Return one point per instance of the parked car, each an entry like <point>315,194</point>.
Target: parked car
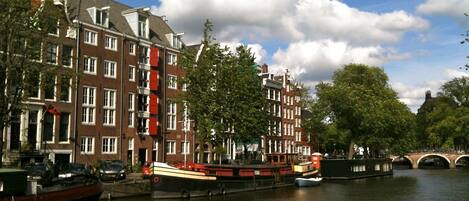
<point>73,169</point>
<point>40,172</point>
<point>112,170</point>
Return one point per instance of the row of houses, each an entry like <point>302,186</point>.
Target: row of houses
<point>121,105</point>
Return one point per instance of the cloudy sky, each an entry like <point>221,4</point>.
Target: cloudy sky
<point>415,41</point>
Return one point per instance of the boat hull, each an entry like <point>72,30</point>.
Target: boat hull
<point>185,184</point>
<point>89,192</point>
<point>300,182</point>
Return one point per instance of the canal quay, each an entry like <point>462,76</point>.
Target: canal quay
<point>405,184</point>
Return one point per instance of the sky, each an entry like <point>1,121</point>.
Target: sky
<point>416,42</point>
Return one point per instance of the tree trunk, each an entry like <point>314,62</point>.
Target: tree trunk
<point>351,151</point>
<point>1,146</point>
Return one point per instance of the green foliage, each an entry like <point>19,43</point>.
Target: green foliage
<point>362,106</point>
<point>24,27</point>
<point>224,93</point>
<point>444,120</point>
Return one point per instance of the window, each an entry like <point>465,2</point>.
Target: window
<point>91,37</point>
<point>54,30</point>
<point>155,150</point>
<point>48,127</point>
<point>171,116</point>
<point>64,127</point>
<point>67,56</point>
<point>143,105</point>
<point>185,148</point>
<point>132,48</point>
<point>52,53</point>
<point>87,145</point>
<point>49,87</point>
<point>131,110</point>
<point>32,127</point>
<point>109,107</point>
<point>32,84</point>
<point>142,126</point>
<point>102,17</point>
<point>110,43</point>
<point>172,59</point>
<point>142,26</point>
<point>144,78</point>
<point>172,82</point>
<point>144,55</point>
<point>89,65</point>
<point>177,41</point>
<point>109,145</point>
<point>65,89</point>
<point>184,86</point>
<point>88,107</point>
<point>132,73</point>
<point>170,147</point>
<point>36,50</point>
<point>110,69</point>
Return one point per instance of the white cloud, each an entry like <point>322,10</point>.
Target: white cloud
<point>452,8</point>
<point>288,20</point>
<point>414,95</point>
<point>313,61</point>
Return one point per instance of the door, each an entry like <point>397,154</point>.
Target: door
<point>142,156</point>
<point>61,160</point>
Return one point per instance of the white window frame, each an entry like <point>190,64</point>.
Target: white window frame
<point>105,22</point>
<point>132,48</point>
<point>110,69</point>
<point>90,37</point>
<point>172,147</point>
<point>110,42</point>
<point>172,59</point>
<point>131,117</point>
<point>55,91</point>
<point>171,116</point>
<point>89,107</point>
<point>71,57</point>
<point>89,62</point>
<point>109,145</point>
<point>89,144</point>
<point>172,81</point>
<point>56,53</point>
<point>132,72</point>
<point>145,51</point>
<point>69,92</point>
<point>109,107</point>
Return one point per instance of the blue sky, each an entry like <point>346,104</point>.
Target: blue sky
<point>415,41</point>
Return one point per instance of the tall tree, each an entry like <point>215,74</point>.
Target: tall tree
<point>25,25</point>
<point>360,101</point>
<point>224,93</point>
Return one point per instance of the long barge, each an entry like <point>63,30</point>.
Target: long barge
<point>208,180</point>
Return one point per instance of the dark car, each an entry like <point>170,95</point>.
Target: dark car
<point>72,170</point>
<point>40,172</point>
<point>112,170</point>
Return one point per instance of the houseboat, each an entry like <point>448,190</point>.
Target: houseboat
<point>207,179</point>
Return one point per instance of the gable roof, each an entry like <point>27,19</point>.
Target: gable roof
<point>117,22</point>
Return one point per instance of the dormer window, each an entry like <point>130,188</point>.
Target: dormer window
<point>177,42</point>
<point>142,26</point>
<point>102,17</point>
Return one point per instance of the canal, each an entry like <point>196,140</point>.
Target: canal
<point>412,185</point>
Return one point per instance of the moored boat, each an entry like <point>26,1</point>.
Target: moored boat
<point>70,189</point>
<point>308,182</point>
<point>208,180</point>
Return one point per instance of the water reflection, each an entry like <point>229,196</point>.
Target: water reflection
<point>416,184</point>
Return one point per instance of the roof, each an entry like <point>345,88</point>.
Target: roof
<point>117,22</point>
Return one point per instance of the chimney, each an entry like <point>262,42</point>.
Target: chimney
<point>264,68</point>
<point>428,95</point>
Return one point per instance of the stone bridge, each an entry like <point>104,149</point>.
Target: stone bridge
<point>416,157</point>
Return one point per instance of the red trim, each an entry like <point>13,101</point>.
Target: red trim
<point>153,126</point>
<point>153,104</point>
<point>154,80</point>
<point>154,53</point>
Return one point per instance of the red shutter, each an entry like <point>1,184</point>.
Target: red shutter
<point>154,80</point>
<point>153,126</point>
<point>153,104</point>
<point>154,56</point>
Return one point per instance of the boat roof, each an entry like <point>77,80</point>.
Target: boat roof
<point>259,166</point>
<point>9,170</point>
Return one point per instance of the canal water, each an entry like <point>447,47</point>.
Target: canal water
<point>412,185</point>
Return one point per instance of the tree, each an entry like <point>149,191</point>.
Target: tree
<point>360,102</point>
<point>224,93</point>
<point>464,41</point>
<point>24,27</point>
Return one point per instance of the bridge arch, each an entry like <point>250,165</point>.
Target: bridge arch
<point>434,154</point>
<point>459,157</point>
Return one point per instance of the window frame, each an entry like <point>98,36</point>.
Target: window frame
<point>86,105</point>
<point>92,37</point>
<point>109,145</point>
<point>87,65</point>
<point>110,107</point>
<point>172,82</point>
<point>110,43</point>
<point>110,69</point>
<point>87,145</point>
